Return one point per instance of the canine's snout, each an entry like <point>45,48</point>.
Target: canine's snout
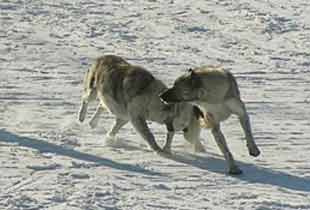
<point>163,96</point>
<point>168,96</point>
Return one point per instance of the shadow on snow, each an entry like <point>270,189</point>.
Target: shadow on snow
<point>252,173</point>
<point>43,146</point>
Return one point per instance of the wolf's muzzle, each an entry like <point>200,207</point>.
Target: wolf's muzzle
<point>169,96</point>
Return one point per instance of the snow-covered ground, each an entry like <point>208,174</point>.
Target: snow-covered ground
<point>50,161</point>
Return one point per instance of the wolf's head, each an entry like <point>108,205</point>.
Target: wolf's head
<point>185,88</point>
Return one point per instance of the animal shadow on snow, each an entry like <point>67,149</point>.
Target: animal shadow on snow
<point>122,143</point>
<point>251,173</point>
<point>43,147</point>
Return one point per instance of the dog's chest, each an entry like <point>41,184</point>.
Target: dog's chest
<point>182,117</point>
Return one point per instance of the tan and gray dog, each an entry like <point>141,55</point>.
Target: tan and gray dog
<point>131,93</point>
<point>215,92</point>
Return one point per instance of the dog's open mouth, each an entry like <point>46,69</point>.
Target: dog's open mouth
<point>169,96</point>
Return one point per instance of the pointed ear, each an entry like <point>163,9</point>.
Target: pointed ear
<point>191,72</point>
<point>195,79</point>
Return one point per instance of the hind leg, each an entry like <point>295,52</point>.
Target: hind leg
<point>192,135</point>
<point>237,107</point>
<point>221,142</point>
<point>95,118</point>
<point>110,136</point>
<point>118,124</point>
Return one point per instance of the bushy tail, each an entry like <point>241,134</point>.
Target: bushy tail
<point>94,74</point>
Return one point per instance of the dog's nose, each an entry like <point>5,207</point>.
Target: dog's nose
<point>169,96</point>
<point>164,96</point>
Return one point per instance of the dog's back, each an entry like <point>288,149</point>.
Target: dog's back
<point>102,66</point>
<point>220,81</point>
<point>118,83</point>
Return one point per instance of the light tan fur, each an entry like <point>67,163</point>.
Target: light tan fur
<point>216,93</point>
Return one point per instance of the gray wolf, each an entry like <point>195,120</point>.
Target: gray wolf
<point>131,93</point>
<point>216,93</point>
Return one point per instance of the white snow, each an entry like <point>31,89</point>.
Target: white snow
<point>50,161</point>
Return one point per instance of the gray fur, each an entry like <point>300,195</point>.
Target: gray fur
<point>131,93</point>
<point>216,93</point>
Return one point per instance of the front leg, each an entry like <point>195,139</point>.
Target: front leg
<point>252,147</point>
<point>139,123</point>
<point>192,135</point>
<point>110,136</point>
<point>95,118</point>
<point>169,137</point>
<point>221,142</point>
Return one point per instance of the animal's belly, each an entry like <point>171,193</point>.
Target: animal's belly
<point>219,112</point>
<point>117,109</point>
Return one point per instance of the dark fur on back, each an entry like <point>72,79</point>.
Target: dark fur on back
<point>124,79</point>
<point>137,80</point>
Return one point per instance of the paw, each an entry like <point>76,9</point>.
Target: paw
<point>154,146</point>
<point>110,140</point>
<point>81,117</point>
<point>158,151</point>
<point>199,148</point>
<point>82,112</point>
<point>92,124</point>
<point>167,150</point>
<point>164,153</point>
<point>254,152</point>
<point>235,170</point>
